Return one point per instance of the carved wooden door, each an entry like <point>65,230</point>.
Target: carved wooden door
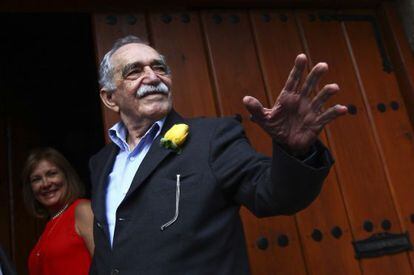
<point>219,56</point>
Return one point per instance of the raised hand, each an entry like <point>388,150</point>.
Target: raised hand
<point>295,120</point>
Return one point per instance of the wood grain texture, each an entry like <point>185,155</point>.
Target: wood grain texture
<point>278,42</point>
<point>178,36</point>
<point>237,73</point>
<point>401,55</point>
<point>107,29</point>
<point>361,174</point>
<point>394,133</point>
<point>218,56</point>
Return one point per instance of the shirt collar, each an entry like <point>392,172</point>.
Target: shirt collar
<point>118,132</point>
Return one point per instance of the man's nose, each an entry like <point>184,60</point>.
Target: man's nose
<point>149,76</point>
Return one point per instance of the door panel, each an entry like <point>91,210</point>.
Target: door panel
<point>114,27</point>
<point>217,57</point>
<point>388,115</point>
<point>237,73</point>
<point>361,173</point>
<point>400,52</point>
<point>178,36</point>
<point>278,42</point>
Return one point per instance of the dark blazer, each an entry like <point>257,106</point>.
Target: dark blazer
<point>219,172</point>
<point>5,265</point>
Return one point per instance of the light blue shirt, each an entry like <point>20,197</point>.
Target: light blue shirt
<point>126,165</point>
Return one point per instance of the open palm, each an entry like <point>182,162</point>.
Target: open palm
<point>296,119</point>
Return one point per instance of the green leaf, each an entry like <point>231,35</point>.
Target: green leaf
<point>169,144</point>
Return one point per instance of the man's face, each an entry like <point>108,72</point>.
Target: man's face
<point>143,84</point>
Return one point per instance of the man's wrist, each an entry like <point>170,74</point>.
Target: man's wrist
<point>302,154</point>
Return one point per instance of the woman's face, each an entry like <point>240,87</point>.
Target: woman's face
<point>49,185</point>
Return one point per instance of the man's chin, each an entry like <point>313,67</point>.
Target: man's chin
<point>159,110</point>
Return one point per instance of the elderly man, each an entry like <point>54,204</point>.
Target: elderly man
<point>168,202</point>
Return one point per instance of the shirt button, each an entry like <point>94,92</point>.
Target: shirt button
<point>132,158</point>
<point>98,224</point>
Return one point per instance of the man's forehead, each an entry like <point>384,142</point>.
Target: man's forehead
<point>134,52</point>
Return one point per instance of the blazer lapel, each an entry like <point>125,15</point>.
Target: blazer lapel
<point>108,159</point>
<point>155,155</point>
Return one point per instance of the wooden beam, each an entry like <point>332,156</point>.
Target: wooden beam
<point>400,53</point>
<point>129,5</point>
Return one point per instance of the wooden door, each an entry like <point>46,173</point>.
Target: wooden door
<point>218,56</point>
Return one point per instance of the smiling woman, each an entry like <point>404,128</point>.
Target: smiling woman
<point>49,186</point>
<point>52,189</point>
<point>48,97</point>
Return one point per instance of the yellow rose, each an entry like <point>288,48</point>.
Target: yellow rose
<point>175,137</point>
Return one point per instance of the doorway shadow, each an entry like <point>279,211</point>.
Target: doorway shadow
<point>48,97</point>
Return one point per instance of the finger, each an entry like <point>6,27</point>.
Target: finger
<point>323,96</point>
<point>313,78</point>
<point>331,114</point>
<point>295,74</point>
<point>254,107</point>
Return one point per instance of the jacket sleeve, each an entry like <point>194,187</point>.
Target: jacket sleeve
<point>6,266</point>
<point>266,186</point>
<point>93,270</point>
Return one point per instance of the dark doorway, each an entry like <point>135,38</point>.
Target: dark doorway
<point>48,97</point>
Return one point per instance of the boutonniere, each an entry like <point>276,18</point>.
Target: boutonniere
<point>175,137</point>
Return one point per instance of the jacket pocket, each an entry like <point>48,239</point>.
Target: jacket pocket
<point>169,184</point>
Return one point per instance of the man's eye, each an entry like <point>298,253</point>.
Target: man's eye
<point>133,72</point>
<point>159,68</point>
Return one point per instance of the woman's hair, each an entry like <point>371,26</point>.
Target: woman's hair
<point>75,188</point>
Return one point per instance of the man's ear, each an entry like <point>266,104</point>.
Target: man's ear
<point>107,98</point>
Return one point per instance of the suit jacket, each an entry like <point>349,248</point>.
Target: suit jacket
<point>219,172</point>
<point>6,266</point>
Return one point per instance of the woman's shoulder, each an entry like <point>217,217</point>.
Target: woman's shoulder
<point>83,215</point>
<point>82,207</point>
<point>82,201</point>
<point>79,204</point>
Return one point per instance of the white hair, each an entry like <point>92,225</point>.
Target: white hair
<point>106,70</point>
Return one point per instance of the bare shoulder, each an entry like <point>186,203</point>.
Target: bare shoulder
<point>83,210</point>
<point>84,223</point>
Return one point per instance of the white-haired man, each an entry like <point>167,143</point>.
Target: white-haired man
<point>174,209</point>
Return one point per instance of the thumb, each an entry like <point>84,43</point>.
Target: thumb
<point>254,107</point>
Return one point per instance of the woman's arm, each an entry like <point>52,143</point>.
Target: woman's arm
<point>84,224</point>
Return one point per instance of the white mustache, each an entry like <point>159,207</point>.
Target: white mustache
<point>145,89</point>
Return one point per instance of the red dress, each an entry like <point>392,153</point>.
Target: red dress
<point>60,250</point>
